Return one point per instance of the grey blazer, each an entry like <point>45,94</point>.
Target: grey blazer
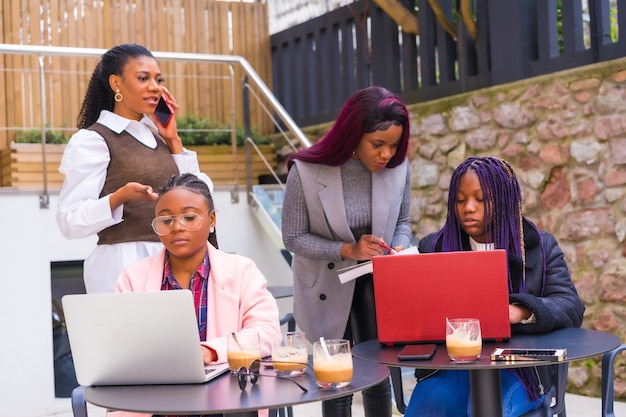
<point>321,302</point>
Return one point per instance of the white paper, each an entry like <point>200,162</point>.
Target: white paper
<point>353,272</point>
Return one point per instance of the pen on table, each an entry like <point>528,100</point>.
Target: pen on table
<point>387,247</point>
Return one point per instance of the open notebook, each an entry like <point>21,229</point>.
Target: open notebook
<point>136,338</point>
<point>415,293</point>
<point>350,273</point>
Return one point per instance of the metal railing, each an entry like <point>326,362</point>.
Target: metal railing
<point>272,107</point>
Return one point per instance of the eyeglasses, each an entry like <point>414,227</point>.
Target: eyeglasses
<point>252,372</point>
<point>189,222</point>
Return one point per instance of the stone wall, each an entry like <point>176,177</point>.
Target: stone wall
<point>565,135</point>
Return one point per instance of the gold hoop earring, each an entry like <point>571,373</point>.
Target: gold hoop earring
<point>118,96</point>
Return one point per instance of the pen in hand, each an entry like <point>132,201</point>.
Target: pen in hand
<point>387,247</point>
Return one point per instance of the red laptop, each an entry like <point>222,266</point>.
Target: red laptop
<point>415,293</point>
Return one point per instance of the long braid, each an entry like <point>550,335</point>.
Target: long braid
<point>516,226</point>
<point>450,233</point>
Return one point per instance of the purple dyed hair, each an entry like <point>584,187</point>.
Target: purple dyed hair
<point>503,208</point>
<point>503,223</point>
<point>366,111</point>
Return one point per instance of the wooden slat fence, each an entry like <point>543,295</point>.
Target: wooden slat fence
<point>192,26</point>
<point>319,63</point>
<point>21,164</point>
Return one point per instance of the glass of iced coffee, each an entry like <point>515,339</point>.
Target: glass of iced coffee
<point>463,340</point>
<point>289,355</point>
<point>241,349</point>
<point>332,363</point>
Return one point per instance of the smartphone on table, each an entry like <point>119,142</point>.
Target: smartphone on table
<point>164,112</point>
<point>520,354</point>
<point>417,352</point>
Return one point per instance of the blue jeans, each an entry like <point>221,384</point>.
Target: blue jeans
<point>446,394</point>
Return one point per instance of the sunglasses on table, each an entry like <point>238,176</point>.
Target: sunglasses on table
<point>252,372</point>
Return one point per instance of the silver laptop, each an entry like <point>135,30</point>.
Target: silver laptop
<point>136,338</point>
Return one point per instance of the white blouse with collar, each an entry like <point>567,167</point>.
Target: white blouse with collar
<point>82,213</point>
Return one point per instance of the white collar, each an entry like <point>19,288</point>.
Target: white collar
<point>141,130</point>
<point>480,246</point>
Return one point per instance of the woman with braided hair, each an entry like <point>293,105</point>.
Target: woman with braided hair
<point>485,213</point>
<point>230,293</point>
<point>116,160</point>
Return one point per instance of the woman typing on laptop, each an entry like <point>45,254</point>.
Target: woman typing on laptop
<point>229,291</point>
<point>484,213</point>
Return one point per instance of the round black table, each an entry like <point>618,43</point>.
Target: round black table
<point>222,395</point>
<point>485,389</point>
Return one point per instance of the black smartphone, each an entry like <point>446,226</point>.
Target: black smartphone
<point>417,352</point>
<point>163,112</point>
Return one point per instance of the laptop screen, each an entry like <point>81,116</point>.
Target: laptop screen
<point>135,338</point>
<point>415,293</point>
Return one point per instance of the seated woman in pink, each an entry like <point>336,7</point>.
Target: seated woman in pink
<point>229,291</point>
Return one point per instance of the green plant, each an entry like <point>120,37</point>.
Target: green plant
<point>34,136</point>
<point>194,130</point>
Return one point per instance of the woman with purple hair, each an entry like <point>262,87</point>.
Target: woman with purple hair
<point>346,197</point>
<point>485,213</point>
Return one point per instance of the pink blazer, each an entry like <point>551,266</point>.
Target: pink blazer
<point>237,299</point>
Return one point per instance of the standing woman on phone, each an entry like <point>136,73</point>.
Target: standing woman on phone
<point>346,196</point>
<point>120,155</point>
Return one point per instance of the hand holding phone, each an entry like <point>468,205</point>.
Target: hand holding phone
<point>164,112</point>
<point>417,352</point>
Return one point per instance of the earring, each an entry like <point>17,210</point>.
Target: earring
<point>118,96</point>
<point>212,229</point>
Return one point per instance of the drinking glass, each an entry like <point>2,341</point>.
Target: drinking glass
<point>463,340</point>
<point>241,349</point>
<point>289,355</point>
<point>332,363</point>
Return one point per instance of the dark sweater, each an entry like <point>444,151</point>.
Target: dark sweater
<point>133,161</point>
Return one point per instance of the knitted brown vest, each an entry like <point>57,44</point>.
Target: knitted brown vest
<point>133,161</point>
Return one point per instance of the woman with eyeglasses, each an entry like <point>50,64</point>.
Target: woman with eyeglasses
<point>114,162</point>
<point>229,291</point>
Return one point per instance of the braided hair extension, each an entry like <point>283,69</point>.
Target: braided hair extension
<point>503,226</point>
<point>99,95</point>
<point>503,208</point>
<point>191,183</point>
